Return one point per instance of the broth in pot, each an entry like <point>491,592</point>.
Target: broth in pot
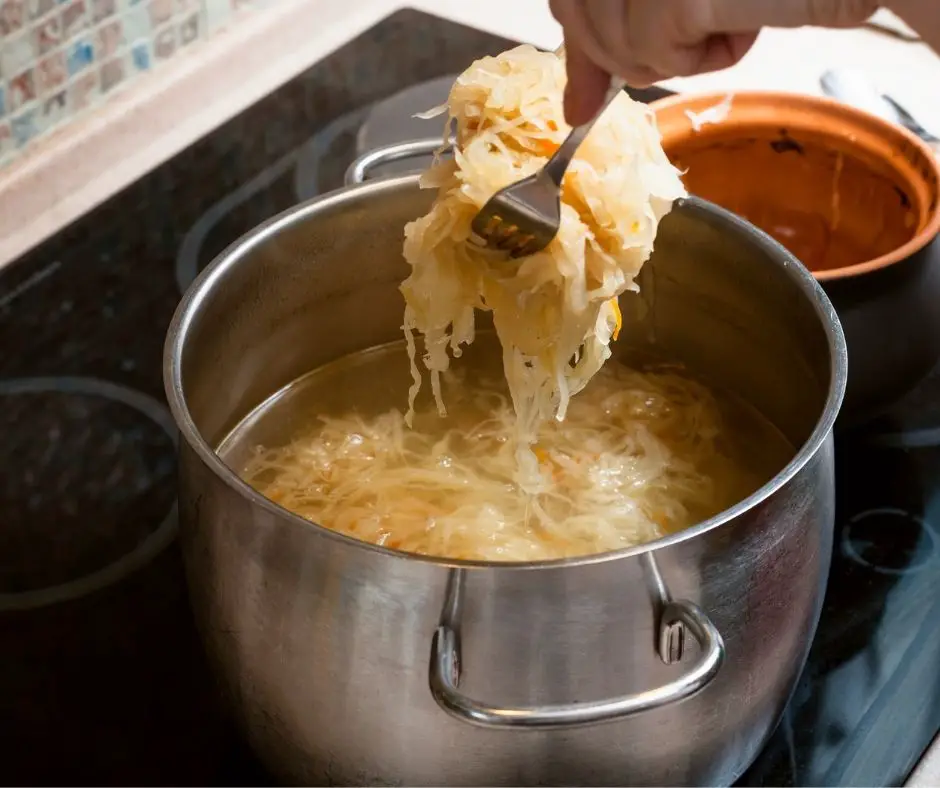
<point>644,451</point>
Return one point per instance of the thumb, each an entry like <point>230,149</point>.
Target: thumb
<point>586,88</point>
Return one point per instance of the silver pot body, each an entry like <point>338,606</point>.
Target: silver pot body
<point>351,664</point>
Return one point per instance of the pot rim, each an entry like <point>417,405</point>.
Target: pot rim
<point>852,118</point>
<point>200,289</point>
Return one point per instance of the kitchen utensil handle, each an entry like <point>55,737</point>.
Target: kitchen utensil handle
<point>558,164</point>
<point>358,171</point>
<point>445,681</point>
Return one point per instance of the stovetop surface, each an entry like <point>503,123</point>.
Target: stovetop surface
<point>102,679</point>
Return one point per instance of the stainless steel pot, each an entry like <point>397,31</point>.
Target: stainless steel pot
<point>348,663</point>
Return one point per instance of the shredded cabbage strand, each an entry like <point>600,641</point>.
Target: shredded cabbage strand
<point>641,454</point>
<point>555,312</point>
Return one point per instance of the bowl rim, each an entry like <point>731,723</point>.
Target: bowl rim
<point>209,277</point>
<point>856,117</point>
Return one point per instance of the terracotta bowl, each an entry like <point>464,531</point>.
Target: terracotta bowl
<point>856,199</point>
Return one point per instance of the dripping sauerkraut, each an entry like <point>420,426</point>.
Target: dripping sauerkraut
<point>642,453</point>
<point>516,468</point>
<point>555,312</point>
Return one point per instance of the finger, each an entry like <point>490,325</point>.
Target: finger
<point>575,16</point>
<point>586,88</point>
<point>658,39</point>
<point>618,31</point>
<point>607,22</point>
<point>734,16</point>
<point>582,19</point>
<point>923,17</point>
<point>723,51</point>
<point>741,43</point>
<point>642,76</point>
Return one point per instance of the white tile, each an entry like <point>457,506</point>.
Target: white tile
<point>217,14</point>
<point>18,53</point>
<point>136,22</point>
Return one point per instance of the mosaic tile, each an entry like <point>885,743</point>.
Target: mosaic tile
<point>217,13</point>
<point>80,56</point>
<point>189,30</point>
<point>60,57</point>
<point>22,89</point>
<point>103,9</point>
<point>18,52</point>
<point>7,148</point>
<point>83,91</point>
<point>55,110</point>
<point>6,140</point>
<point>161,12</point>
<point>136,22</point>
<point>141,56</point>
<point>164,44</point>
<point>51,73</point>
<point>12,17</point>
<point>113,73</point>
<point>48,34</point>
<point>40,8</point>
<point>24,127</point>
<point>109,38</point>
<point>74,18</point>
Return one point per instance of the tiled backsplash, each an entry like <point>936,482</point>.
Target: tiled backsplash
<point>58,58</point>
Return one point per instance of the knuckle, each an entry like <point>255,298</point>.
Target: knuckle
<point>839,13</point>
<point>670,40</point>
<point>693,19</point>
<point>565,11</point>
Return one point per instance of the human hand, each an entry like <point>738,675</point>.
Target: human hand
<point>645,41</point>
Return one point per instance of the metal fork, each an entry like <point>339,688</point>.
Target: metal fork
<point>853,87</point>
<point>911,123</point>
<point>523,218</point>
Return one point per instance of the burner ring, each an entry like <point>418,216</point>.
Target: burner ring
<point>925,438</point>
<point>144,552</point>
<point>850,550</point>
<point>303,163</point>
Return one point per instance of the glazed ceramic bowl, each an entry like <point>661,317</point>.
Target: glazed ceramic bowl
<point>856,199</point>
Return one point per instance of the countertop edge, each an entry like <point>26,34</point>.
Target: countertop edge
<point>927,772</point>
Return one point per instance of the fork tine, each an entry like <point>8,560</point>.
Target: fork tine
<point>526,248</point>
<point>506,243</point>
<point>524,217</point>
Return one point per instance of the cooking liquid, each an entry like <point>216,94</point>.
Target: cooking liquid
<point>460,468</point>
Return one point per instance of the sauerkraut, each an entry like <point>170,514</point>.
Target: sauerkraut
<point>555,312</point>
<point>642,453</point>
<point>516,468</point>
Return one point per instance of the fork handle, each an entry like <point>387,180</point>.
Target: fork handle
<point>558,163</point>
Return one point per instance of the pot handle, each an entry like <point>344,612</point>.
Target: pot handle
<point>445,680</point>
<point>358,171</point>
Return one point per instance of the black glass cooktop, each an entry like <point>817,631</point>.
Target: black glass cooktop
<point>101,676</point>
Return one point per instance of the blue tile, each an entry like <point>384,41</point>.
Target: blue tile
<point>141,55</point>
<point>23,127</point>
<point>80,56</point>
